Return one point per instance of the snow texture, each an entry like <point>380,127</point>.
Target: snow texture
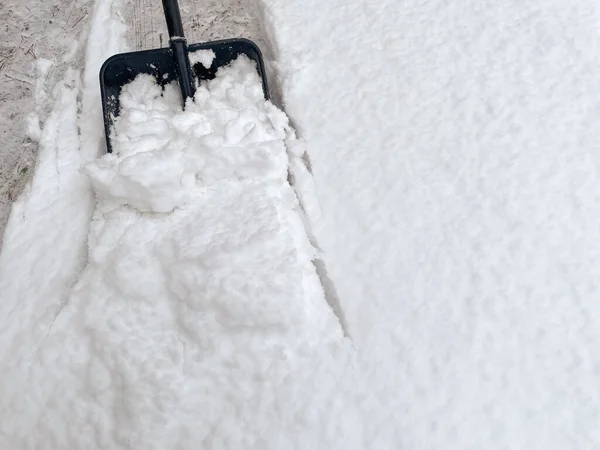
<point>187,312</point>
<point>453,149</point>
<point>204,57</point>
<point>454,146</point>
<point>199,319</point>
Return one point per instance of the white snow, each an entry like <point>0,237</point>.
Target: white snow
<point>34,130</point>
<point>426,279</point>
<point>44,247</point>
<point>454,146</point>
<point>204,57</point>
<point>199,318</point>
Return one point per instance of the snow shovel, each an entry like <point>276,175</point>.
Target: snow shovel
<point>168,64</point>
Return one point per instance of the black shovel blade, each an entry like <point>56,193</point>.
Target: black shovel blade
<point>118,70</point>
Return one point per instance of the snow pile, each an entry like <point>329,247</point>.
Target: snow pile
<point>199,320</point>
<point>165,157</point>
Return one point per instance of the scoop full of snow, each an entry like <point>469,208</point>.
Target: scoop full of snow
<point>164,157</point>
<point>199,320</point>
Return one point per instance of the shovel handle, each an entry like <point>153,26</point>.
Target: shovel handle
<point>173,18</point>
<point>183,68</point>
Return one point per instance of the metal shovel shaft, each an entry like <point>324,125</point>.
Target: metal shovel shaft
<point>183,68</point>
<point>173,18</point>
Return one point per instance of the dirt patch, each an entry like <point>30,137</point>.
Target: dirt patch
<point>203,21</point>
<point>31,30</point>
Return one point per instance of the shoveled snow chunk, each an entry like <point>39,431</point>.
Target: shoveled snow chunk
<point>204,57</point>
<point>164,157</point>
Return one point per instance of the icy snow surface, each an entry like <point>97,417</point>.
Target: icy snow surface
<point>455,151</point>
<point>199,320</point>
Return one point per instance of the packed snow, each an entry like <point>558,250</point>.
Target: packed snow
<point>39,42</point>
